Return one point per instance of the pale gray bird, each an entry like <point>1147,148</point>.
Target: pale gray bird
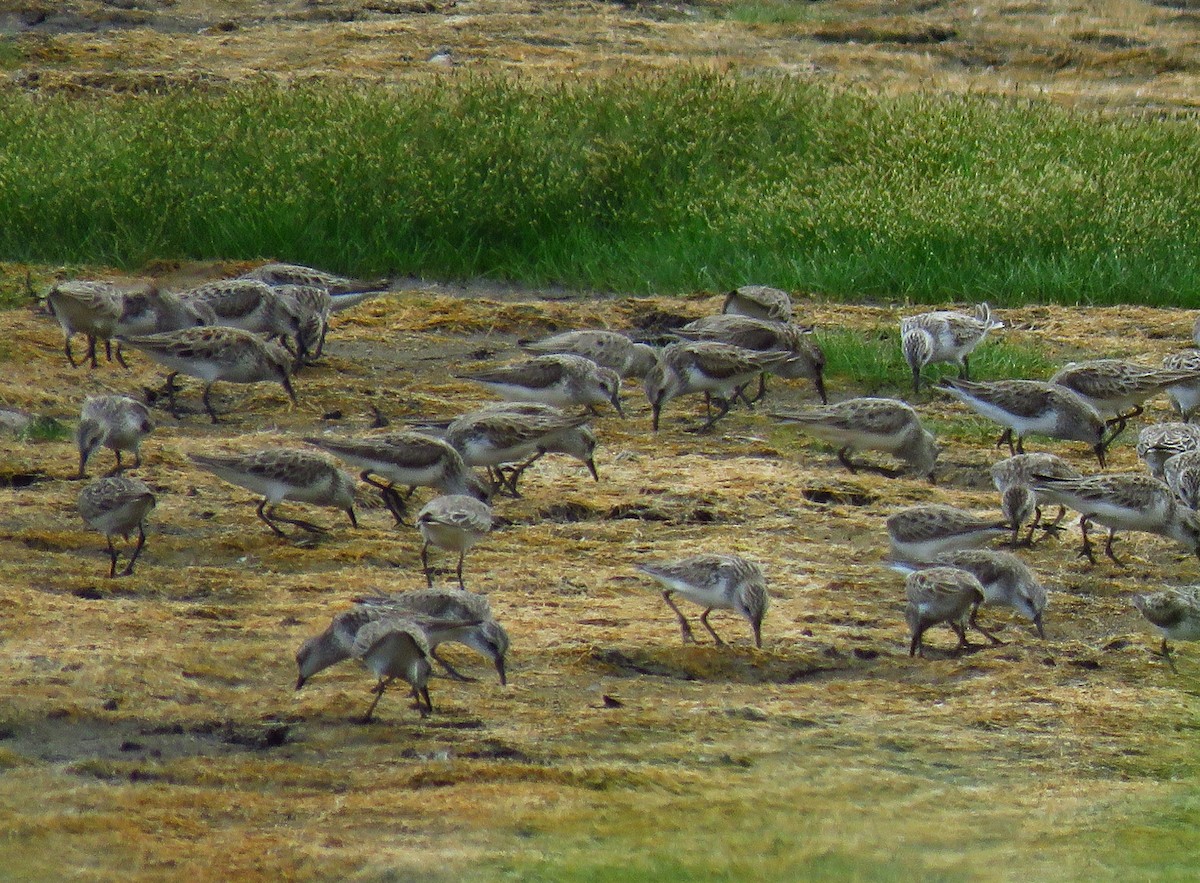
<point>116,505</point>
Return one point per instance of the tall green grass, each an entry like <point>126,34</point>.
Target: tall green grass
<point>663,183</point>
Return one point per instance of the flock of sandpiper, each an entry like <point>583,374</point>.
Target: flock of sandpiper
<point>266,325</point>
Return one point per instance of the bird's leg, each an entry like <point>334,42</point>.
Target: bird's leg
<point>957,628</point>
<point>964,369</point>
<point>70,355</point>
<point>112,554</point>
<point>425,564</point>
<point>208,404</point>
<point>1006,436</point>
<point>91,350</point>
<point>1165,653</point>
<point>684,628</point>
<point>171,394</point>
<point>120,356</point>
<point>116,470</point>
<point>267,518</point>
<point>762,387</point>
<point>461,584</point>
<point>137,550</point>
<point>723,409</point>
<point>916,646</point>
<point>428,709</point>
<point>1108,548</point>
<point>378,691</point>
<point>391,498</point>
<point>704,622</point>
<point>739,392</point>
<point>1085,550</point>
<point>1020,444</point>
<point>974,623</point>
<point>844,458</point>
<point>450,670</point>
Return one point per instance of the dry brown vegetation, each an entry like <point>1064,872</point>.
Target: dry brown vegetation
<point>1116,53</point>
<point>149,728</point>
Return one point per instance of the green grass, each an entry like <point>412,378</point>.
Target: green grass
<point>775,12</point>
<point>659,183</point>
<point>873,362</point>
<point>45,429</point>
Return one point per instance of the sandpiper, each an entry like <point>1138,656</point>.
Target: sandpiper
<point>1182,475</point>
<point>870,424</point>
<point>454,522</point>
<point>1122,501</point>
<point>1175,613</point>
<point>759,302</point>
<point>118,423</point>
<point>1116,388</point>
<point>395,647</point>
<point>250,305</point>
<point>454,615</point>
<point>608,349</point>
<point>1012,476</point>
<point>1185,395</point>
<point>407,458</point>
<point>295,274</point>
<point>216,353</point>
<point>1159,442</point>
<point>281,474</point>
<point>87,307</point>
<point>1006,580</point>
<point>520,433</point>
<point>117,505</point>
<point>563,380</point>
<point>944,336</point>
<point>716,369</point>
<point>921,533</point>
<point>1026,407</point>
<point>444,615</point>
<point>940,594</point>
<point>713,581</point>
<point>760,335</point>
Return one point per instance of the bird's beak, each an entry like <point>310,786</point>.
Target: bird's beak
<point>500,671</point>
<point>616,401</point>
<point>300,681</point>
<point>1037,623</point>
<point>820,384</point>
<point>591,465</point>
<point>287,385</point>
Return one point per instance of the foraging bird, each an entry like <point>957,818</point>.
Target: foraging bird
<point>454,522</point>
<point>940,594</point>
<point>117,505</point>
<point>1175,613</point>
<point>278,475</point>
<point>713,581</point>
<point>759,302</point>
<point>944,336</point>
<point>118,423</point>
<point>870,424</point>
<point>395,647</point>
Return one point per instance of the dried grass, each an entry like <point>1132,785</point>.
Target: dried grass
<point>151,728</point>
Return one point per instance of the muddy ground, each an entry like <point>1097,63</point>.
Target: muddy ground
<point>150,724</point>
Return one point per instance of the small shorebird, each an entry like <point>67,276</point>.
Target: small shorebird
<point>1175,613</point>
<point>115,422</point>
<point>760,335</point>
<point>1117,388</point>
<point>713,581</point>
<point>922,533</point>
<point>1026,407</point>
<point>453,615</point>
<point>1007,582</point>
<point>395,647</point>
<point>1182,475</point>
<point>250,305</point>
<point>1159,442</point>
<point>759,302</point>
<point>716,369</point>
<point>117,505</point>
<point>562,380</point>
<point>216,353</point>
<point>91,308</point>
<point>870,424</point>
<point>280,474</point>
<point>1122,501</point>
<point>1019,504</point>
<point>454,522</point>
<point>444,615</point>
<point>940,594</point>
<point>276,274</point>
<point>944,336</point>
<point>1185,395</point>
<point>521,433</point>
<point>608,349</point>
<point>405,458</point>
